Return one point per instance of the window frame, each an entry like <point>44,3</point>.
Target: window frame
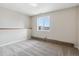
<point>38,26</point>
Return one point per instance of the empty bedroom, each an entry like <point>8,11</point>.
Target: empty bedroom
<point>39,29</point>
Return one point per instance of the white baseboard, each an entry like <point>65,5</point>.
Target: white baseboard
<point>11,42</point>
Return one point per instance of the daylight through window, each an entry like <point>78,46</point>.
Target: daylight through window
<point>43,23</point>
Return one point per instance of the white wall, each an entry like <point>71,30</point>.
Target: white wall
<point>62,28</point>
<point>11,19</point>
<point>12,36</point>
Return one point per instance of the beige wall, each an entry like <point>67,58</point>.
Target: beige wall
<point>62,28</point>
<point>77,45</point>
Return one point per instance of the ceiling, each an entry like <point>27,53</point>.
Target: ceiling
<point>27,9</point>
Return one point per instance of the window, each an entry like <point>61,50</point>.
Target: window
<point>43,23</point>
